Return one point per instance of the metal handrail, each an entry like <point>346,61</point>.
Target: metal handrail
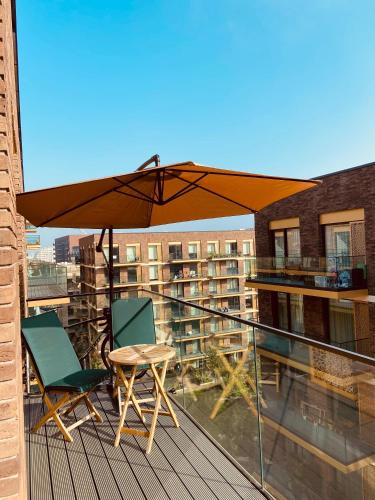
<point>291,336</point>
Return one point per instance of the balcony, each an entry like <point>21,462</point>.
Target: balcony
<point>294,416</point>
<point>46,281</point>
<point>224,256</point>
<point>330,277</point>
<point>185,276</point>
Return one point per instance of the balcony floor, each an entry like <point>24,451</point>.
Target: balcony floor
<point>183,462</point>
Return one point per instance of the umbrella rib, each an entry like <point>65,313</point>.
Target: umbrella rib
<point>192,183</point>
<point>148,200</point>
<point>127,184</point>
<point>86,202</point>
<point>184,190</point>
<point>245,174</point>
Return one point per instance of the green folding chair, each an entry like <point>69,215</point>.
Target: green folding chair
<point>132,323</point>
<point>58,371</point>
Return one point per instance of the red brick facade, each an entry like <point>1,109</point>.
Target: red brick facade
<point>12,459</point>
<point>349,189</point>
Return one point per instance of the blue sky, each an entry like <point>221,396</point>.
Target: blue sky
<point>279,87</point>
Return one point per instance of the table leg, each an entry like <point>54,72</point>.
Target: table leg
<point>129,394</point>
<point>157,406</point>
<point>159,381</point>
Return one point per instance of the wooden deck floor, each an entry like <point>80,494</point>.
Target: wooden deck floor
<point>183,463</point>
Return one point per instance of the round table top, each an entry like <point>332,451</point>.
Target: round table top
<point>141,354</point>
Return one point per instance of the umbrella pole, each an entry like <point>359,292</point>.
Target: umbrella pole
<point>110,279</point>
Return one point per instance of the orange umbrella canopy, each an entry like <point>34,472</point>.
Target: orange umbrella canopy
<point>153,196</point>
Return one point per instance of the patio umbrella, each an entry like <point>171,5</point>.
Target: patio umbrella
<point>153,196</point>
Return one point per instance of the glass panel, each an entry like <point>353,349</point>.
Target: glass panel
<point>193,250</point>
<point>293,242</point>
<point>211,269</point>
<point>282,310</point>
<point>246,248</point>
<point>279,243</point>
<point>211,249</point>
<point>341,323</point>
<point>132,274</point>
<point>153,272</point>
<point>296,313</point>
<point>152,252</point>
<point>115,253</point>
<point>317,421</point>
<point>175,251</point>
<point>337,239</point>
<point>131,254</point>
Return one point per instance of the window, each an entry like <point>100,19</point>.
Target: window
<point>212,286</point>
<point>152,252</point>
<point>341,323</point>
<point>177,290</point>
<point>176,271</point>
<point>153,273</point>
<point>194,289</point>
<point>115,252</point>
<point>193,250</point>
<point>212,248</point>
<point>213,325</point>
<point>296,313</point>
<point>248,247</point>
<point>175,251</point>
<point>233,284</point>
<point>231,248</point>
<point>193,270</point>
<point>233,303</point>
<point>211,269</point>
<point>293,242</point>
<point>287,245</point>
<point>132,275</point>
<point>282,310</point>
<point>116,275</point>
<point>232,267</point>
<point>249,302</point>
<point>290,312</point>
<point>131,254</point>
<point>249,266</point>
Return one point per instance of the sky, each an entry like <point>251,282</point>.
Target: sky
<point>278,87</point>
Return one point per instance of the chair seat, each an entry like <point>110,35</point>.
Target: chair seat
<point>80,381</point>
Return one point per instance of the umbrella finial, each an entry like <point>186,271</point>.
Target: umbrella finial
<point>154,159</point>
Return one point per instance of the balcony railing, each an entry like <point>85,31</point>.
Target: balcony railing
<point>294,413</point>
<point>334,273</point>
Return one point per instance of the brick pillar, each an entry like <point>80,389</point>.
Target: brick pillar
<point>12,453</point>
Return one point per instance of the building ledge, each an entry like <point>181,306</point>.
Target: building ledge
<point>337,294</point>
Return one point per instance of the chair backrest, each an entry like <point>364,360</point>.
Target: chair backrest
<point>133,322</point>
<point>50,347</point>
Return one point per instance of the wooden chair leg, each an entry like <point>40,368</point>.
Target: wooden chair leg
<point>52,413</point>
<point>91,408</point>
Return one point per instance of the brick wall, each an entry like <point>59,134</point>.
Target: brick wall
<point>12,460</point>
<point>345,190</point>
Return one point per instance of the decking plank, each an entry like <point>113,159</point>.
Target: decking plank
<point>184,463</point>
<point>125,477</point>
<point>82,475</point>
<point>104,478</point>
<point>62,482</point>
<point>147,477</point>
<point>40,478</point>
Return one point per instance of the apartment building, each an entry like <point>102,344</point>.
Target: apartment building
<point>67,248</point>
<point>205,268</point>
<point>315,265</point>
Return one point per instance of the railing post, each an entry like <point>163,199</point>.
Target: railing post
<point>258,403</point>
